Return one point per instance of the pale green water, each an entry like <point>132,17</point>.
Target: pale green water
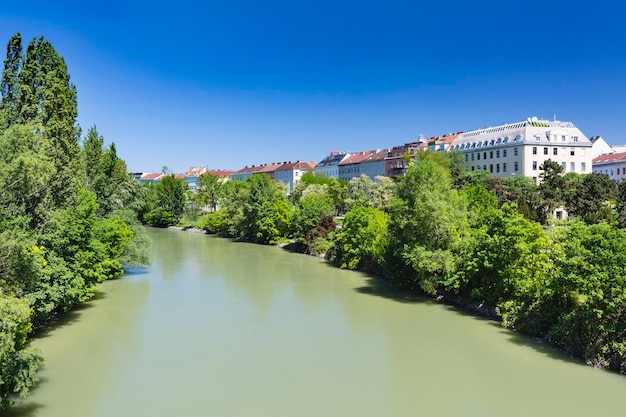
<point>218,328</point>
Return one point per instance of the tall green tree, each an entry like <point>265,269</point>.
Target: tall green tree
<point>428,229</point>
<point>9,86</point>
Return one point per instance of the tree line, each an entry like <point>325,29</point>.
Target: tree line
<point>68,209</point>
<point>444,231</point>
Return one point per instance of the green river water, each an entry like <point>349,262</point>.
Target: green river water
<point>221,328</point>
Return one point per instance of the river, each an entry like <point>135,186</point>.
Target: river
<point>221,328</point>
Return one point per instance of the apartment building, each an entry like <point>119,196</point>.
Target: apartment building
<point>521,148</point>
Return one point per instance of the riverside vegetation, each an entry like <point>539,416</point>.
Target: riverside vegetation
<point>69,220</point>
<point>443,231</point>
<point>67,212</point>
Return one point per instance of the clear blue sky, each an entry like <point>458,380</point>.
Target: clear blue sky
<point>228,84</point>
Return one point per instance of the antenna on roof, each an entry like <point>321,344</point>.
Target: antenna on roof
<point>555,117</point>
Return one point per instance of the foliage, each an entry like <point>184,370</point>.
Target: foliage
<point>362,240</point>
<point>593,198</point>
<point>309,211</point>
<point>209,191</point>
<point>68,215</point>
<point>18,361</point>
<point>428,229</point>
<point>362,191</point>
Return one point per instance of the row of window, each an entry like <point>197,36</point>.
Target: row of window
<point>606,171</point>
<point>507,139</point>
<point>555,151</point>
<point>497,166</point>
<point>477,155</point>
<point>572,166</point>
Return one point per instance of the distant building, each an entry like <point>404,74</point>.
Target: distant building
<point>600,147</point>
<point>291,172</point>
<point>397,158</point>
<point>329,166</point>
<point>350,167</point>
<point>613,165</point>
<point>374,165</point>
<point>521,148</point>
<point>150,177</point>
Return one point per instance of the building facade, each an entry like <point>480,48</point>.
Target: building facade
<point>613,165</point>
<point>329,166</point>
<point>521,148</point>
<point>291,172</point>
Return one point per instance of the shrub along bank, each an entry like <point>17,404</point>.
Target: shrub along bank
<point>443,231</point>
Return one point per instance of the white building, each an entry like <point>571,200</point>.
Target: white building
<point>521,148</point>
<point>613,165</point>
<point>291,172</point>
<point>600,147</point>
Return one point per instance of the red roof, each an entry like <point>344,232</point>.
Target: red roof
<point>220,172</point>
<point>302,166</point>
<point>356,158</point>
<point>612,157</point>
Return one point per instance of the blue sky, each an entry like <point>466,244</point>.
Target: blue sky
<point>228,84</point>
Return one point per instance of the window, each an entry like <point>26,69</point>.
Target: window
<point>537,138</point>
<point>563,166</point>
<point>491,168</point>
<point>545,151</point>
<point>497,167</point>
<point>497,154</point>
<point>534,165</point>
<point>466,157</point>
<point>473,156</point>
<point>572,166</point>
<point>490,154</point>
<point>504,167</point>
<point>563,138</point>
<point>484,155</point>
<point>484,167</point>
<point>472,168</point>
<point>516,167</point>
<point>515,151</point>
<point>478,156</point>
<point>571,152</point>
<point>555,151</point>
<point>575,138</point>
<point>583,167</point>
<point>534,150</point>
<point>504,153</point>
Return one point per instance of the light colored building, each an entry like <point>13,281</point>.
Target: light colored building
<point>350,167</point>
<point>521,148</point>
<point>191,177</point>
<point>600,147</point>
<point>374,165</point>
<point>329,166</point>
<point>613,165</point>
<point>291,172</point>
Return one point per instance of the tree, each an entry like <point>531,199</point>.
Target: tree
<point>18,361</point>
<point>428,228</point>
<point>209,190</point>
<point>362,240</point>
<point>593,198</point>
<point>552,186</point>
<point>9,84</point>
<point>309,211</point>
